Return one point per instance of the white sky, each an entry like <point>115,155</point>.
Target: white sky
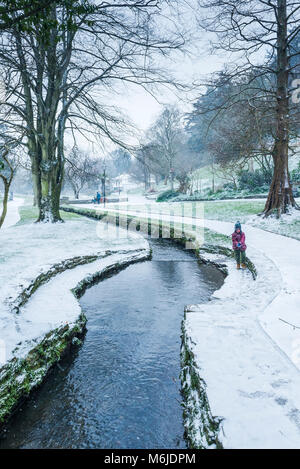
<point>142,108</point>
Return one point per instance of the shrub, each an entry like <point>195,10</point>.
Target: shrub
<point>295,175</point>
<point>256,181</point>
<point>167,195</point>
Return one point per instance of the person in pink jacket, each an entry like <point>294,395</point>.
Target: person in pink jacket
<point>239,246</point>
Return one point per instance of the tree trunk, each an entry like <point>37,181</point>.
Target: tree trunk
<point>51,184</point>
<point>36,187</point>
<point>49,204</point>
<point>183,184</point>
<point>35,172</point>
<point>55,201</point>
<point>146,178</point>
<point>280,198</point>
<point>172,182</point>
<point>4,203</point>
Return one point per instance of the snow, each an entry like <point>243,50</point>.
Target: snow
<point>285,254</point>
<point>248,357</point>
<point>30,249</point>
<point>287,225</point>
<point>54,304</point>
<point>284,273</point>
<point>12,216</point>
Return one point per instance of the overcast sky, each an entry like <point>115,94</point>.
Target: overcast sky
<point>142,108</point>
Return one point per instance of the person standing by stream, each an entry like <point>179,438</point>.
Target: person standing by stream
<point>239,246</point>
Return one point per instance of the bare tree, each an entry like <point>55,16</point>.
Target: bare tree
<point>185,163</point>
<point>166,152</point>
<point>144,164</point>
<point>166,138</point>
<point>57,72</point>
<point>253,28</point>
<point>80,170</point>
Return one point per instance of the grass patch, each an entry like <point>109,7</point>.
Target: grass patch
<point>29,214</point>
<point>212,237</point>
<point>232,210</point>
<point>229,210</point>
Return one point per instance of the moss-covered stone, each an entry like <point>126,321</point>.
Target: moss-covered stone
<point>44,277</point>
<point>20,376</point>
<point>201,427</point>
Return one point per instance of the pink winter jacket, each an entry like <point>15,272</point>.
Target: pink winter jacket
<point>238,238</point>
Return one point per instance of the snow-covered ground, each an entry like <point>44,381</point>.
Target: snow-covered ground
<point>35,320</point>
<point>247,352</point>
<point>284,254</point>
<point>287,224</point>
<point>30,249</point>
<point>246,347</point>
<point>12,216</point>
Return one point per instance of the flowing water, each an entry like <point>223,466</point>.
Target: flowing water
<point>121,389</point>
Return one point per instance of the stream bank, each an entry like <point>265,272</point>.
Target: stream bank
<point>121,388</point>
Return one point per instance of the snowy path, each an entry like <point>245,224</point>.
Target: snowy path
<point>248,357</point>
<point>12,216</point>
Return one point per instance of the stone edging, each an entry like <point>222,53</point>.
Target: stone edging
<point>21,375</point>
<point>197,414</point>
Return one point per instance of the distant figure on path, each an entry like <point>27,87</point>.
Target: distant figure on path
<point>98,197</point>
<point>239,246</point>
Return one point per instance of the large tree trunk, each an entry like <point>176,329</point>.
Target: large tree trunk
<point>36,183</point>
<point>49,202</point>
<point>51,183</point>
<point>280,198</point>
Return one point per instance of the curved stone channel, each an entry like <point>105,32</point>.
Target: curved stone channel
<point>121,389</point>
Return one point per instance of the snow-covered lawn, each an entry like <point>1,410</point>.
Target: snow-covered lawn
<point>246,347</point>
<point>29,249</point>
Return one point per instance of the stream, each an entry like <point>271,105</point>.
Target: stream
<point>121,388</point>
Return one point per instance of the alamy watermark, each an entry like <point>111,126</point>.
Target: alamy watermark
<point>177,221</point>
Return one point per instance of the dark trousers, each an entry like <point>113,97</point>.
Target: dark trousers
<point>240,256</point>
